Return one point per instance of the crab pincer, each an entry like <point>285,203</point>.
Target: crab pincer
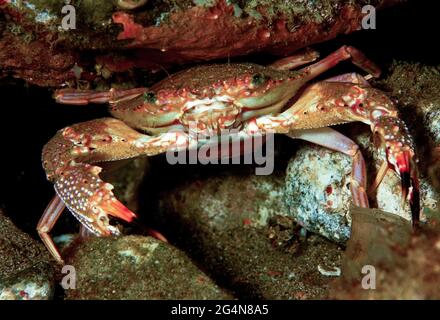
<point>89,198</point>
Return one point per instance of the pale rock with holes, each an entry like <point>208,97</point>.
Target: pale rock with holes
<point>317,188</point>
<point>317,192</point>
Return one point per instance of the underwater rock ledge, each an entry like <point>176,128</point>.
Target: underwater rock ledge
<point>162,33</point>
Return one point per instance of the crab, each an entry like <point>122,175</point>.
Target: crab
<point>253,99</point>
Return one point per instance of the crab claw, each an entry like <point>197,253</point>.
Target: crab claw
<point>90,199</point>
<point>409,184</point>
<point>394,136</point>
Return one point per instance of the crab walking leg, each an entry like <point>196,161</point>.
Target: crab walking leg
<point>332,139</point>
<point>353,78</point>
<point>379,177</point>
<point>296,60</point>
<point>326,103</point>
<point>83,97</point>
<point>49,218</point>
<point>342,54</point>
<point>68,161</point>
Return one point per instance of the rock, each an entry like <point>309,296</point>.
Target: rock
<point>136,267</point>
<point>385,260</point>
<point>318,193</point>
<point>236,225</point>
<point>26,270</point>
<point>35,47</point>
<point>317,187</point>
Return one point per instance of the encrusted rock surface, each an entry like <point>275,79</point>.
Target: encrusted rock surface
<point>34,46</point>
<point>136,267</point>
<point>26,270</point>
<point>317,191</point>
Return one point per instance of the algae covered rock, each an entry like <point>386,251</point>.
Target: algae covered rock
<point>417,88</point>
<point>26,270</point>
<point>136,267</point>
<point>36,47</point>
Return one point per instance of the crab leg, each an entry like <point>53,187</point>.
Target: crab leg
<point>49,218</point>
<point>68,158</point>
<point>342,54</point>
<point>353,78</point>
<point>83,97</point>
<point>296,60</point>
<point>328,103</point>
<point>379,177</point>
<point>332,139</point>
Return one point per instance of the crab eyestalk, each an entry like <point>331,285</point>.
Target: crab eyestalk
<point>393,135</point>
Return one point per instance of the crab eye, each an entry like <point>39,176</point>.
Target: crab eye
<point>258,79</point>
<point>150,97</point>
